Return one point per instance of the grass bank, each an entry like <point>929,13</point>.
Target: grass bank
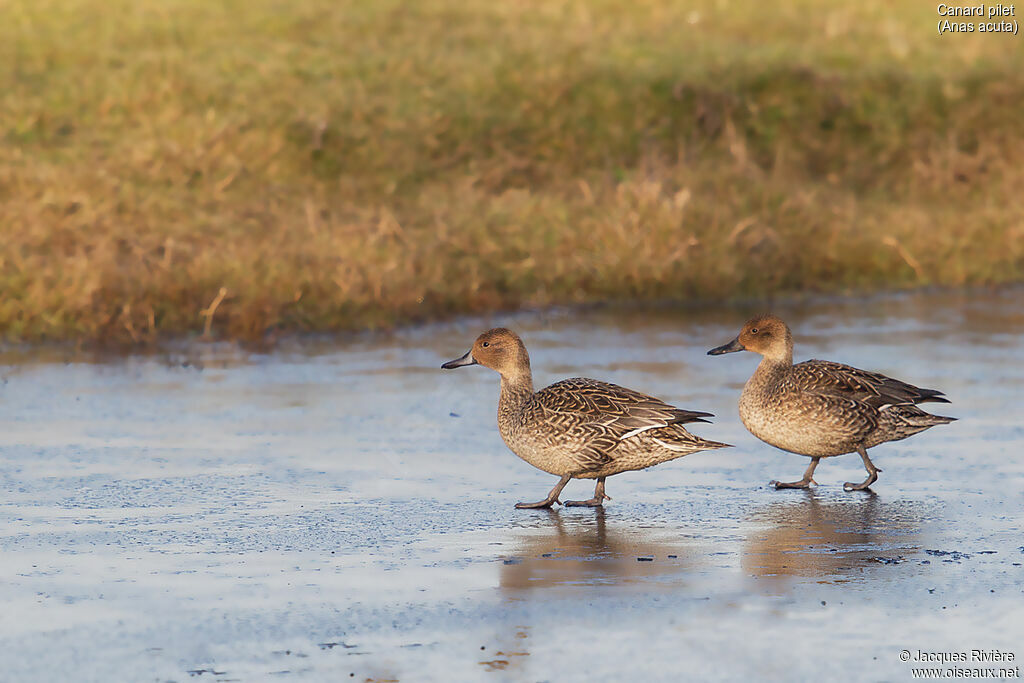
<point>175,166</point>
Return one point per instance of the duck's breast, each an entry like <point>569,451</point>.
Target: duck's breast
<point>538,444</point>
<point>793,421</point>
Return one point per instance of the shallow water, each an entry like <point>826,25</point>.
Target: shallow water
<point>343,509</point>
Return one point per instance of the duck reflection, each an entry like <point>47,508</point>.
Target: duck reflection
<point>590,550</point>
<point>831,539</point>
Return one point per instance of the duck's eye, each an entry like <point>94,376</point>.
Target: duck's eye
<point>486,344</point>
<point>753,330</point>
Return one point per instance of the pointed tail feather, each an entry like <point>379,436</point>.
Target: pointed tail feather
<point>676,438</point>
<point>690,446</point>
<point>932,396</point>
<point>910,420</point>
<point>682,416</point>
<point>919,418</point>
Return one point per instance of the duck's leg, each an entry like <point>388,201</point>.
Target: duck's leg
<point>804,483</point>
<point>595,502</point>
<point>551,499</point>
<point>872,473</point>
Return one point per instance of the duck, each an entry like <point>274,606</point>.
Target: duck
<point>579,428</point>
<point>821,408</point>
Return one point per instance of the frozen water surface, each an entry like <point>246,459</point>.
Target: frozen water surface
<point>343,509</point>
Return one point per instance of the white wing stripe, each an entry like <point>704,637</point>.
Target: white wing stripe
<point>671,447</point>
<point>639,430</point>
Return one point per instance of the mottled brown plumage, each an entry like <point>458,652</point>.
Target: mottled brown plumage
<point>580,428</point>
<point>820,408</point>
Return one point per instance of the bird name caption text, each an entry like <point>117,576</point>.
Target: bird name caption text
<point>977,18</point>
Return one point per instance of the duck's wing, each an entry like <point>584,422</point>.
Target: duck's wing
<point>621,409</point>
<point>872,388</point>
<point>846,419</point>
<point>599,415</point>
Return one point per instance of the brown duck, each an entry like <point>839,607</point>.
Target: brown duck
<point>579,428</point>
<point>819,408</point>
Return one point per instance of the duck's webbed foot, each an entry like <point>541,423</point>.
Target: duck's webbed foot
<point>804,483</point>
<point>596,501</point>
<point>550,500</point>
<point>864,485</point>
<point>872,473</point>
<point>540,504</point>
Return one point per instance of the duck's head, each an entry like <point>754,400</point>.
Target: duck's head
<point>499,349</point>
<point>765,334</point>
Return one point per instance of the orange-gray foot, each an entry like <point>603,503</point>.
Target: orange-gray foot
<point>804,483</point>
<point>541,504</point>
<point>595,502</point>
<point>871,470</point>
<point>550,500</point>
<point>592,503</point>
<point>864,485</point>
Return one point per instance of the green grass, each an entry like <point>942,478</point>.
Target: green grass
<point>344,165</point>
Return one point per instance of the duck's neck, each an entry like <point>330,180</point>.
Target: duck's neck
<point>516,392</point>
<point>772,368</point>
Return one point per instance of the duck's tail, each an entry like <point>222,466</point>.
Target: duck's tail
<point>916,417</point>
<point>909,420</point>
<point>933,420</point>
<point>676,438</point>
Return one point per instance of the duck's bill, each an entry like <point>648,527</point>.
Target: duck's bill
<point>459,362</point>
<point>731,347</point>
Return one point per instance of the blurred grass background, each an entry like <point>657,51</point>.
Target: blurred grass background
<point>170,166</point>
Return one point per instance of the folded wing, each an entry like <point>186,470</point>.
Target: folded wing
<point>872,388</point>
<point>601,415</point>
